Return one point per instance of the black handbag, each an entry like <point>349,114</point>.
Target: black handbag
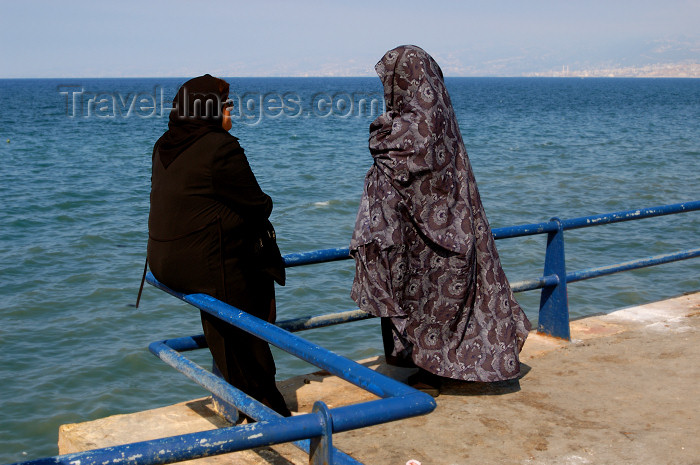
<point>266,254</point>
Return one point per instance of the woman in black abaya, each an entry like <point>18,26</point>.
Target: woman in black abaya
<point>209,232</point>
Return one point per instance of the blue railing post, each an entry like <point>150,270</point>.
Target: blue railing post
<point>223,408</point>
<point>227,411</point>
<point>321,447</point>
<point>554,305</point>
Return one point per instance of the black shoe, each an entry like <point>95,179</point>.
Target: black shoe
<point>425,381</point>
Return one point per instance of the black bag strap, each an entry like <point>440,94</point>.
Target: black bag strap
<point>143,279</point>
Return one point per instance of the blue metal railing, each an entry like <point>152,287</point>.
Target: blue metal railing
<point>397,400</point>
<point>554,308</point>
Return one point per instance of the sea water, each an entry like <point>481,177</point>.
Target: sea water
<point>75,161</point>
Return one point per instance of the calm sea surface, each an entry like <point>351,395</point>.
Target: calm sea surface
<point>74,184</point>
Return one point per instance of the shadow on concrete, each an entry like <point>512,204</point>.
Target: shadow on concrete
<point>451,387</point>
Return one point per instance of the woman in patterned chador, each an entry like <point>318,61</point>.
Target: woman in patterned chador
<point>426,261</point>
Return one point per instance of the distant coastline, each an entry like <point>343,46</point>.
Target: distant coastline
<point>684,69</point>
<point>668,70</point>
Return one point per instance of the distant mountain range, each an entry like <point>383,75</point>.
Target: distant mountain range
<point>661,58</point>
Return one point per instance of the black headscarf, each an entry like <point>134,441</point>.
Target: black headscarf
<point>197,111</point>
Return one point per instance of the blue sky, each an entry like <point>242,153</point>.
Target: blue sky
<point>41,38</point>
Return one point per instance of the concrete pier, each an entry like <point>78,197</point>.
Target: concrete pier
<point>625,390</point>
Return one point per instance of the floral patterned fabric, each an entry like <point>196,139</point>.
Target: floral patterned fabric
<point>424,253</point>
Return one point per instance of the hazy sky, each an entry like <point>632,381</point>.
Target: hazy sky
<point>94,38</point>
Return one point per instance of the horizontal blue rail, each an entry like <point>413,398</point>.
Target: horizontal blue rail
<point>330,319</point>
<point>197,445</point>
<point>632,265</point>
<point>342,253</point>
<point>316,256</point>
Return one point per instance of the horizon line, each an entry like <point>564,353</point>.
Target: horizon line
<point>356,76</point>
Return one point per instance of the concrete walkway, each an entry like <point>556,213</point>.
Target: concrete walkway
<point>626,390</point>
